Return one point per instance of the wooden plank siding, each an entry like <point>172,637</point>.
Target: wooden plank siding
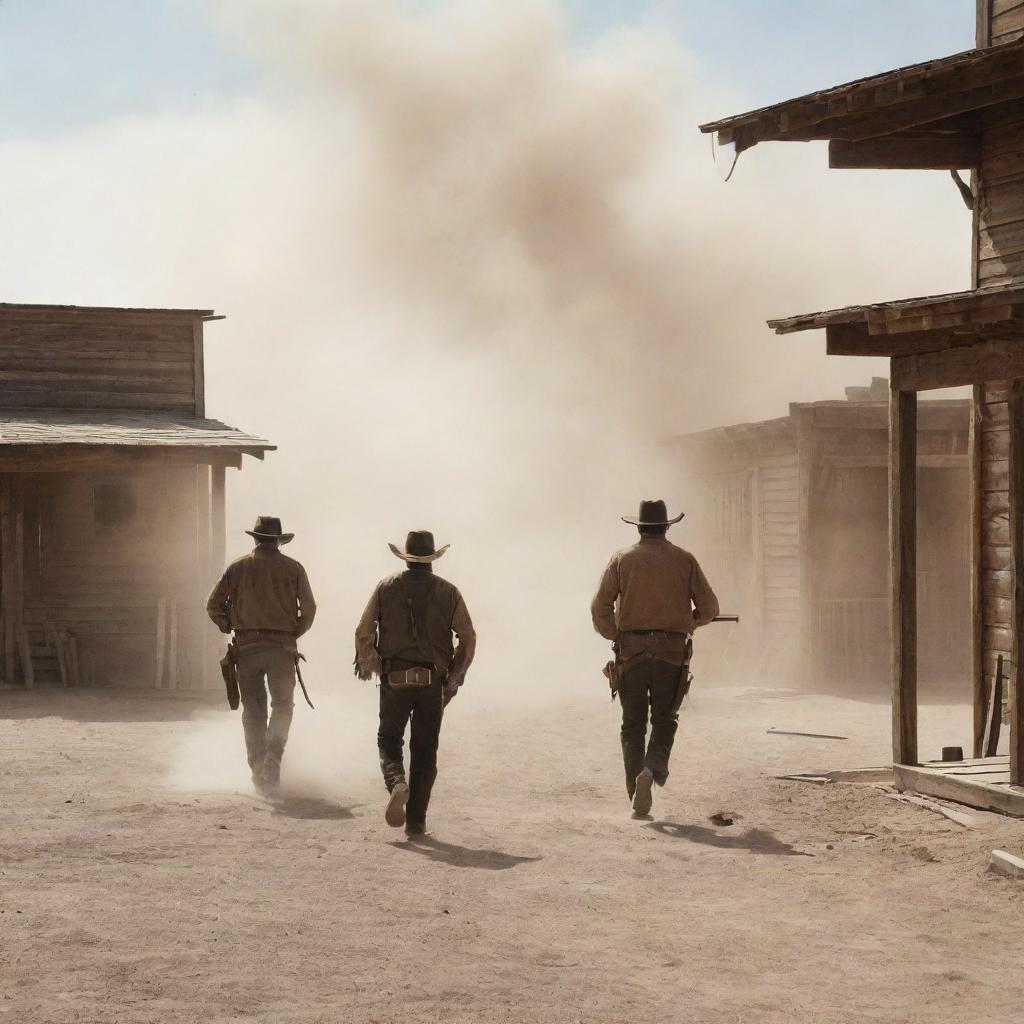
<point>1000,202</point>
<point>92,365</point>
<point>994,529</point>
<point>1005,21</point>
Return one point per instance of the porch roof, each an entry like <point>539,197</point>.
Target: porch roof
<point>911,326</point>
<point>38,428</point>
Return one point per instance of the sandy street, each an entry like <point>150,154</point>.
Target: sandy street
<point>133,892</point>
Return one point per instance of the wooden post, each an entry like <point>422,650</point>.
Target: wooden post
<point>28,672</point>
<point>218,542</point>
<point>161,641</point>
<point>979,697</point>
<point>199,370</point>
<point>12,539</point>
<point>903,572</point>
<point>172,647</point>
<point>805,470</point>
<point>1015,411</point>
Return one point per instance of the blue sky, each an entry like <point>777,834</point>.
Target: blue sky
<point>71,63</point>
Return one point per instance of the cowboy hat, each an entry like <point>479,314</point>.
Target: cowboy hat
<point>419,547</point>
<point>269,528</point>
<point>652,513</point>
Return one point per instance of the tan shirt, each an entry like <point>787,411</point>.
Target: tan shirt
<point>264,589</point>
<point>652,585</point>
<point>385,632</point>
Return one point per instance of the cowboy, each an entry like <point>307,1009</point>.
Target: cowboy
<point>265,598</point>
<point>405,638</point>
<point>651,598</point>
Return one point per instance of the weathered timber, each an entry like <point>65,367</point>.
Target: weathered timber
<point>1016,516</point>
<point>908,151</point>
<point>986,360</point>
<point>977,599</point>
<point>903,572</point>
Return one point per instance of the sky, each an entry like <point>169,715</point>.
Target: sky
<point>69,63</point>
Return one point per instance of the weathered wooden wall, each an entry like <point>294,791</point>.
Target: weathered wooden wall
<point>1005,20</point>
<point>1000,204</point>
<point>54,360</point>
<point>779,495</point>
<point>118,587</point>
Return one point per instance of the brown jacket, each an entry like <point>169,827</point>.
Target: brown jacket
<point>263,590</point>
<point>386,632</point>
<point>653,585</point>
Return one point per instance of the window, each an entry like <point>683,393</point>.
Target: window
<point>113,505</point>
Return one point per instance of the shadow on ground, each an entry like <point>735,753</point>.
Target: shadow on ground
<point>107,704</point>
<point>754,840</point>
<point>461,856</point>
<point>313,808</point>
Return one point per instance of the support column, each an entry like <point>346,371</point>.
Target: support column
<point>805,464</point>
<point>1015,475</point>
<point>218,542</point>
<point>903,572</point>
<point>203,673</point>
<point>979,697</point>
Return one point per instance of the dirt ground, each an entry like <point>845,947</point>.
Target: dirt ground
<point>143,881</point>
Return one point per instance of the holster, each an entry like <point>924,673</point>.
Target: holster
<point>229,670</point>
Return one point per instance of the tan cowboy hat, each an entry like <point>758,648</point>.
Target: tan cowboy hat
<point>419,547</point>
<point>269,528</point>
<point>652,513</point>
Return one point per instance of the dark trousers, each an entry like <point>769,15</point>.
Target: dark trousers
<point>263,667</point>
<point>656,686</point>
<point>425,708</point>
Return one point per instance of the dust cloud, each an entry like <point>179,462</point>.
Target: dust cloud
<point>475,270</point>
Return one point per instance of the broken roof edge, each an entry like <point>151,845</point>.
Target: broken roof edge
<point>824,100</point>
<point>978,298</point>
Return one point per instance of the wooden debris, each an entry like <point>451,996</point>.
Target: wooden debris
<point>961,818</point>
<point>812,735</point>
<point>854,776</point>
<point>1006,864</point>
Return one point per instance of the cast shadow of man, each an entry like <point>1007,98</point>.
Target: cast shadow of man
<point>461,856</point>
<point>754,840</point>
<point>312,808</point>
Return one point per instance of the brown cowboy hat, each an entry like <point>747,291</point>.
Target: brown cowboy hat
<point>419,547</point>
<point>269,528</point>
<point>652,513</point>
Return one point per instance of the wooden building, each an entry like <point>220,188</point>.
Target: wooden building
<point>962,112</point>
<point>792,516</point>
<point>111,497</point>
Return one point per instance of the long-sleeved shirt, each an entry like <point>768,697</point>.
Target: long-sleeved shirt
<point>653,585</point>
<point>263,590</point>
<point>411,617</point>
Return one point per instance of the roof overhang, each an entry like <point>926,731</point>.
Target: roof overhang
<point>919,109</point>
<point>939,341</point>
<point>39,431</point>
<point>912,326</point>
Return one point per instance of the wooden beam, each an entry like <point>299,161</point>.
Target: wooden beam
<point>218,541</point>
<point>199,368</point>
<point>937,152</point>
<point>977,628</point>
<point>82,458</point>
<point>903,572</point>
<point>1015,410</point>
<point>805,469</point>
<point>857,340</point>
<point>969,364</point>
